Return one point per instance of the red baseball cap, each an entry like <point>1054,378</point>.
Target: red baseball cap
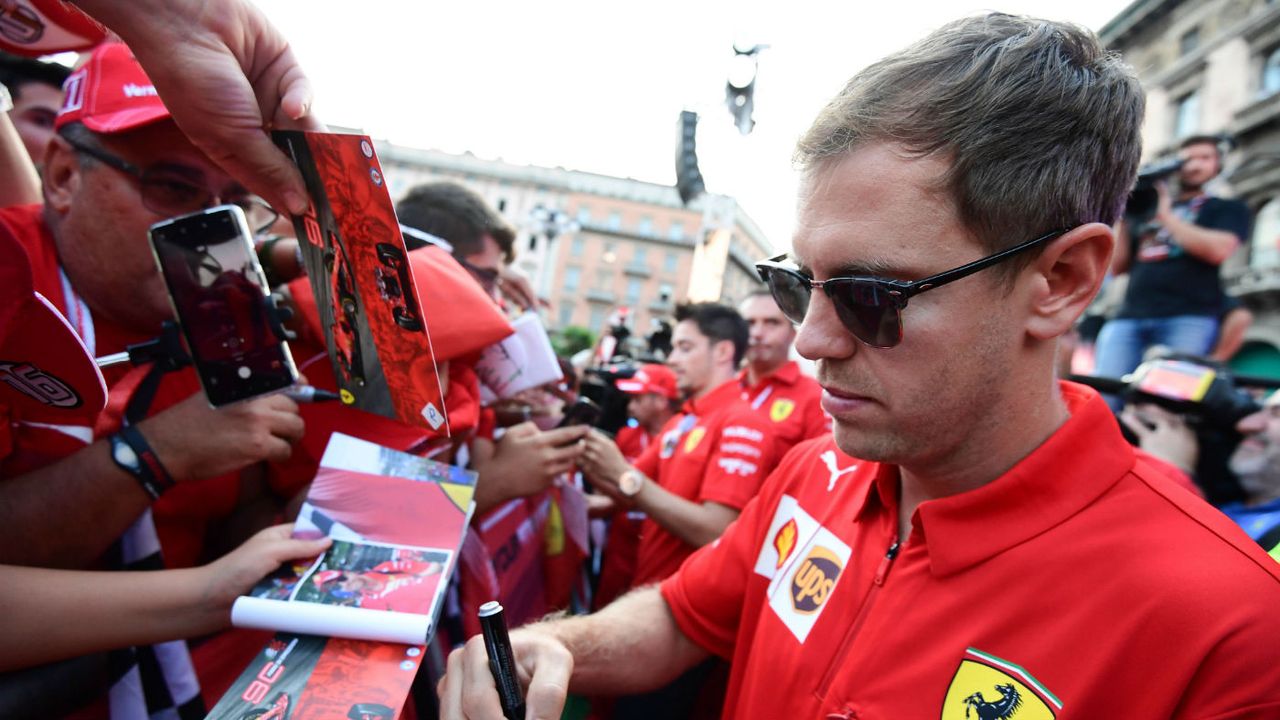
<point>110,93</point>
<point>45,370</point>
<point>652,378</point>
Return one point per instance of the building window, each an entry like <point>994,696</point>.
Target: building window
<point>1265,244</point>
<point>640,256</point>
<point>676,231</point>
<point>645,227</point>
<point>1187,115</point>
<point>596,323</point>
<point>1189,41</point>
<point>572,276</point>
<point>670,262</point>
<point>633,290</point>
<point>566,313</point>
<point>615,221</point>
<point>575,247</point>
<point>666,293</point>
<point>1271,73</point>
<point>584,216</point>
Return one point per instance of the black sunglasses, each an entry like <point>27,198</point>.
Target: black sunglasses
<point>869,307</point>
<point>167,190</point>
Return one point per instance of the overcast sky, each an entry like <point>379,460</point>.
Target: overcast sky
<point>597,86</point>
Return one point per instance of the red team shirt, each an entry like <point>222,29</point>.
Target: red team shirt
<point>716,450</point>
<point>1080,584</point>
<point>792,403</point>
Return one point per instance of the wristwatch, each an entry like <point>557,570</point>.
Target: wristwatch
<point>630,482</point>
<point>131,452</point>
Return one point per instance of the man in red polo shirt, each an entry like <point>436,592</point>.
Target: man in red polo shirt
<point>976,539</point>
<point>772,382</point>
<point>709,459</point>
<point>707,463</point>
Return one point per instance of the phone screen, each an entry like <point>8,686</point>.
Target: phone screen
<point>219,294</point>
<point>1177,380</point>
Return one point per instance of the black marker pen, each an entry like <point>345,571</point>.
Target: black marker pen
<point>502,663</point>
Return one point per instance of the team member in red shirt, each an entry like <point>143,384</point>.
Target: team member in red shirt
<point>976,539</point>
<point>653,402</point>
<point>709,460</point>
<point>707,464</point>
<point>772,382</point>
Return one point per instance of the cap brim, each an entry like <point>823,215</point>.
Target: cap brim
<point>631,387</point>
<point>47,373</point>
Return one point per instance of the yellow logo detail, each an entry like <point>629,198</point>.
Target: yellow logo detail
<point>814,580</point>
<point>553,533</point>
<point>785,541</point>
<point>987,688</point>
<point>347,397</point>
<point>695,437</point>
<point>781,409</point>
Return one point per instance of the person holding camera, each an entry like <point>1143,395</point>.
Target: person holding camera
<point>1174,297</point>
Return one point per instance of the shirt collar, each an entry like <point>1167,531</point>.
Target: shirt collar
<point>1078,463</point>
<point>786,375</point>
<point>725,393</point>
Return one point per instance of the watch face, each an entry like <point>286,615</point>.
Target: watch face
<point>630,482</point>
<point>124,455</point>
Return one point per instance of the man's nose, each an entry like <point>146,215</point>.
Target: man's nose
<point>1252,423</point>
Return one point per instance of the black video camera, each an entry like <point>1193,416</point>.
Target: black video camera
<point>1140,209</point>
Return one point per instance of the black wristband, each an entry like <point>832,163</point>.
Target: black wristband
<point>133,454</point>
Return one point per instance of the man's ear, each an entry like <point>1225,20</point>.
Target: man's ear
<point>722,353</point>
<point>62,175</point>
<point>1066,277</point>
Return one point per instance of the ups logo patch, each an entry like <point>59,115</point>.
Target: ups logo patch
<point>814,580</point>
<point>986,687</point>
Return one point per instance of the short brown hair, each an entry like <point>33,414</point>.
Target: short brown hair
<point>1040,124</point>
<point>457,214</point>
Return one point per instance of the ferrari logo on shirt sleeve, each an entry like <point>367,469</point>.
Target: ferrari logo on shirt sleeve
<point>988,688</point>
<point>695,437</point>
<point>781,409</point>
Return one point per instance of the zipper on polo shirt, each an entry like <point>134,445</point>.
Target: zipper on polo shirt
<point>877,582</point>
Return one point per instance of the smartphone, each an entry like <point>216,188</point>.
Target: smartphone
<point>221,298</point>
<point>582,412</point>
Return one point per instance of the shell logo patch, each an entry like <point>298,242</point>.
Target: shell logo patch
<point>784,541</point>
<point>812,583</point>
<point>695,437</point>
<point>989,688</point>
<point>781,409</point>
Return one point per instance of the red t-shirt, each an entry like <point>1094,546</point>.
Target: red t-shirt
<point>792,403</point>
<point>1082,581</point>
<point>717,450</point>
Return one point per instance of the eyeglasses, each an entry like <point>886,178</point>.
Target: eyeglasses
<point>487,277</point>
<point>172,190</point>
<point>869,307</point>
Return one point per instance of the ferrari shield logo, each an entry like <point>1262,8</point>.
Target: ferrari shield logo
<point>695,437</point>
<point>988,688</point>
<point>781,409</point>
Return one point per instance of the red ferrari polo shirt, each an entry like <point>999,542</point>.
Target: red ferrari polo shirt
<point>792,403</point>
<point>717,450</point>
<point>1082,583</point>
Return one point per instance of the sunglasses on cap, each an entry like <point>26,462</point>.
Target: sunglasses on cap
<point>869,307</point>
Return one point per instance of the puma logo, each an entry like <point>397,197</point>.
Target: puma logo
<point>829,459</point>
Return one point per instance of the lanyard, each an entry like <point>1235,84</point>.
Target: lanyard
<point>764,395</point>
<point>78,314</point>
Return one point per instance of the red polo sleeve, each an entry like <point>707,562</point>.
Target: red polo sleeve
<point>707,594</point>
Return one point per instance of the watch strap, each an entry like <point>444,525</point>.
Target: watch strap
<point>146,467</point>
